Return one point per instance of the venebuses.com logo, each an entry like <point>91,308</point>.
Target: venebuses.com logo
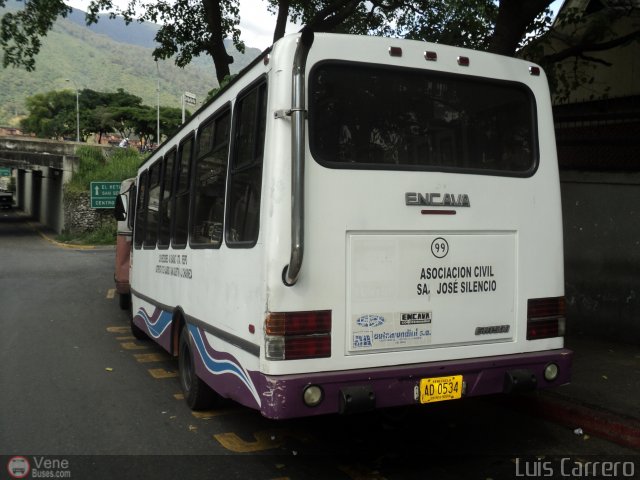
<point>18,467</point>
<point>39,467</point>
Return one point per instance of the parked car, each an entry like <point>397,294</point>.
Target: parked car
<point>6,200</point>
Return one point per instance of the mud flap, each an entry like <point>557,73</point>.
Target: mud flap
<point>357,399</point>
<point>517,381</point>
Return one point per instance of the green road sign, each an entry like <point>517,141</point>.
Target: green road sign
<point>5,172</point>
<point>103,194</point>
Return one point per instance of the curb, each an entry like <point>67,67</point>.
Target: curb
<point>592,420</point>
<point>59,244</point>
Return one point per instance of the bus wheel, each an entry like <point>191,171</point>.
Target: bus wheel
<point>125,301</point>
<point>136,331</point>
<point>198,394</point>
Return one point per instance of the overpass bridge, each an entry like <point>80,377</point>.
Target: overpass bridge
<point>40,168</point>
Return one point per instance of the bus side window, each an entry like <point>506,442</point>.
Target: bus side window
<point>245,181</point>
<point>141,211</point>
<point>210,174</point>
<point>164,228</point>
<point>131,208</point>
<point>153,203</point>
<point>180,216</point>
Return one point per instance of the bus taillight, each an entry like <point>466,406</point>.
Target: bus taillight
<point>545,318</point>
<point>298,335</point>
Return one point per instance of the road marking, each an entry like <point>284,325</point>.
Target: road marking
<point>118,329</point>
<point>111,293</point>
<point>132,346</point>
<point>178,396</point>
<point>209,414</point>
<point>263,441</point>
<point>128,337</point>
<point>150,357</point>
<point>159,373</point>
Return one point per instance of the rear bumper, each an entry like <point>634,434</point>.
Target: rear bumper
<point>397,386</point>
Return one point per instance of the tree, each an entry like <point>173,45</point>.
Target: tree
<point>145,119</point>
<point>51,114</point>
<point>190,28</point>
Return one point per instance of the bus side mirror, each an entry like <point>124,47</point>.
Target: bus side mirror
<point>121,210</point>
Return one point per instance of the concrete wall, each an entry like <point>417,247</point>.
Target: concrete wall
<point>602,253</point>
<point>42,168</point>
<point>39,194</point>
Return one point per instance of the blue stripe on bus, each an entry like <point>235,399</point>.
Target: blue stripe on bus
<point>220,367</point>
<point>157,323</point>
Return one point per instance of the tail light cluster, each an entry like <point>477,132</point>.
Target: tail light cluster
<point>298,335</point>
<point>545,318</point>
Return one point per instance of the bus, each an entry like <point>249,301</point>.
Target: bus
<point>356,223</point>
<point>124,234</point>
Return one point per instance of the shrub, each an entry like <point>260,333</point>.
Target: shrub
<point>119,164</point>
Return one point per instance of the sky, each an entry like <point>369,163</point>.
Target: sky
<point>256,22</point>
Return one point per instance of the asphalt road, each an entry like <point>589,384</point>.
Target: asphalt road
<point>75,386</point>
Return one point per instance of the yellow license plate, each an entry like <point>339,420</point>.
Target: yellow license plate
<point>438,389</point>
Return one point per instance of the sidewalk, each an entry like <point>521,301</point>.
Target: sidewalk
<point>603,398</point>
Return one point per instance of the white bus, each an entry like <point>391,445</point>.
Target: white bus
<point>357,223</point>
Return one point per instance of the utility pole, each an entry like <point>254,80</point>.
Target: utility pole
<point>158,104</point>
<point>77,109</point>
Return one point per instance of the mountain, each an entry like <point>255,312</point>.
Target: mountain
<point>105,57</point>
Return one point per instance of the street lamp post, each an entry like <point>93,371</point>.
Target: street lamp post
<point>77,110</point>
<point>158,106</point>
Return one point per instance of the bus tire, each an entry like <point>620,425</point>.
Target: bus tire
<point>124,300</point>
<point>136,331</point>
<point>199,395</point>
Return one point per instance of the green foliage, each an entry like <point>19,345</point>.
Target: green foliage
<point>98,63</point>
<point>226,81</point>
<point>117,165</point>
<point>21,31</point>
<point>52,114</point>
<point>464,23</point>
<point>105,234</point>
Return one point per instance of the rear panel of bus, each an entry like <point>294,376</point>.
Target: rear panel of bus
<point>433,231</point>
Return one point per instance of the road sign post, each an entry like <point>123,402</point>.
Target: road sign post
<point>187,98</point>
<point>103,194</point>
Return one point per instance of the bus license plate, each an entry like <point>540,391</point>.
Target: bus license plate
<point>438,389</point>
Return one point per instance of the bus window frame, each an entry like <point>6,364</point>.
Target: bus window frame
<point>224,109</point>
<point>131,215</point>
<point>161,209</point>
<point>190,136</point>
<point>141,216</point>
<point>255,85</point>
<point>159,163</point>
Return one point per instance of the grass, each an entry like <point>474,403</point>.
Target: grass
<point>119,164</point>
<point>103,235</point>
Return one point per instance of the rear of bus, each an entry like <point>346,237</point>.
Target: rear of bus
<point>433,254</point>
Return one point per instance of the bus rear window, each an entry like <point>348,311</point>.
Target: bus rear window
<point>364,116</point>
